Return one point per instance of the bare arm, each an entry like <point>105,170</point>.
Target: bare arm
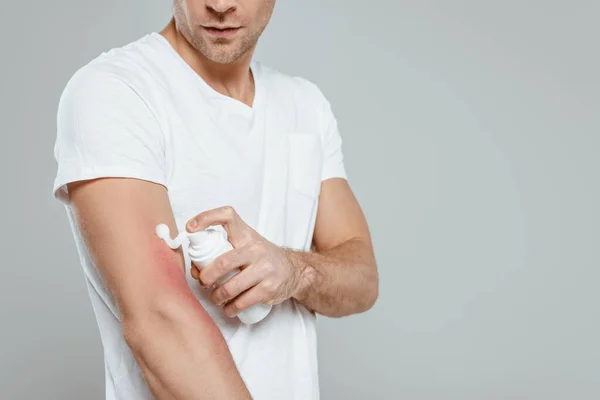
<point>179,349</point>
<point>340,276</point>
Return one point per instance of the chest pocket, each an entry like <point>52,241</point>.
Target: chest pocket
<point>304,185</point>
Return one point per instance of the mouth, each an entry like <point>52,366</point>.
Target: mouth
<point>225,31</point>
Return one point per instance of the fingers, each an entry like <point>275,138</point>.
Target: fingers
<point>223,265</point>
<point>195,272</point>
<point>246,279</point>
<point>226,216</point>
<point>246,300</point>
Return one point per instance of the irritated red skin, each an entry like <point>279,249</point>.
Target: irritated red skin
<point>169,274</point>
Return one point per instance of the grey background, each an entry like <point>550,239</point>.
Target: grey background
<point>471,136</point>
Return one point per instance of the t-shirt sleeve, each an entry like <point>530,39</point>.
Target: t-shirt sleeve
<point>333,158</point>
<point>105,129</point>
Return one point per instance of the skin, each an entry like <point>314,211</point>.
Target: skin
<point>171,336</point>
<point>224,63</point>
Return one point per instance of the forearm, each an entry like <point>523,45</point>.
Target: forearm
<point>337,282</point>
<point>182,353</point>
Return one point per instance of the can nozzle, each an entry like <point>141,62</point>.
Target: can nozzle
<point>163,232</point>
<point>208,236</point>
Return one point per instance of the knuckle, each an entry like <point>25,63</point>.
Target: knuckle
<point>236,306</point>
<point>269,286</point>
<point>220,262</point>
<point>229,211</point>
<point>269,266</point>
<point>201,219</point>
<point>263,269</point>
<point>225,291</point>
<point>266,269</point>
<point>204,276</point>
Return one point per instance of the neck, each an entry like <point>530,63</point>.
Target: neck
<point>232,79</point>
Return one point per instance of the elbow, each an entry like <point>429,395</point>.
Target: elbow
<point>372,297</point>
<point>369,300</point>
<point>133,333</point>
<point>142,321</point>
<point>372,291</point>
<point>162,317</point>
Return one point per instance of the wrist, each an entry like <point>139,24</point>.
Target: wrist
<point>306,274</point>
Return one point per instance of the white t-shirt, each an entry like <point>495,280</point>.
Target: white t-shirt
<point>140,111</point>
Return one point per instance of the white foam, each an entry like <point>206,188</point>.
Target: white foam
<point>163,232</point>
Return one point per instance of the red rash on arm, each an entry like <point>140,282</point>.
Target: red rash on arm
<point>168,274</point>
<point>180,350</point>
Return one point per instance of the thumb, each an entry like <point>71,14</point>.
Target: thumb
<point>238,232</point>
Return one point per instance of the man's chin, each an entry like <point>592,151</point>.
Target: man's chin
<point>222,56</point>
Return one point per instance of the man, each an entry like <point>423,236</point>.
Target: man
<point>182,127</point>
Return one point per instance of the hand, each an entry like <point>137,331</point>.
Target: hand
<point>267,275</point>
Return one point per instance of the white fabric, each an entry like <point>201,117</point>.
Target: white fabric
<point>140,111</point>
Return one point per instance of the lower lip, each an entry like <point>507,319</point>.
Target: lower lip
<point>221,32</point>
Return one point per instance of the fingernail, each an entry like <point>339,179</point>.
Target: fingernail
<point>193,224</point>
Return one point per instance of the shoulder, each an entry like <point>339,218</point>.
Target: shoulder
<point>120,74</point>
<point>291,87</point>
<point>298,98</point>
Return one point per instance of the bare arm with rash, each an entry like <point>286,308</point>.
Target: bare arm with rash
<point>179,349</point>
